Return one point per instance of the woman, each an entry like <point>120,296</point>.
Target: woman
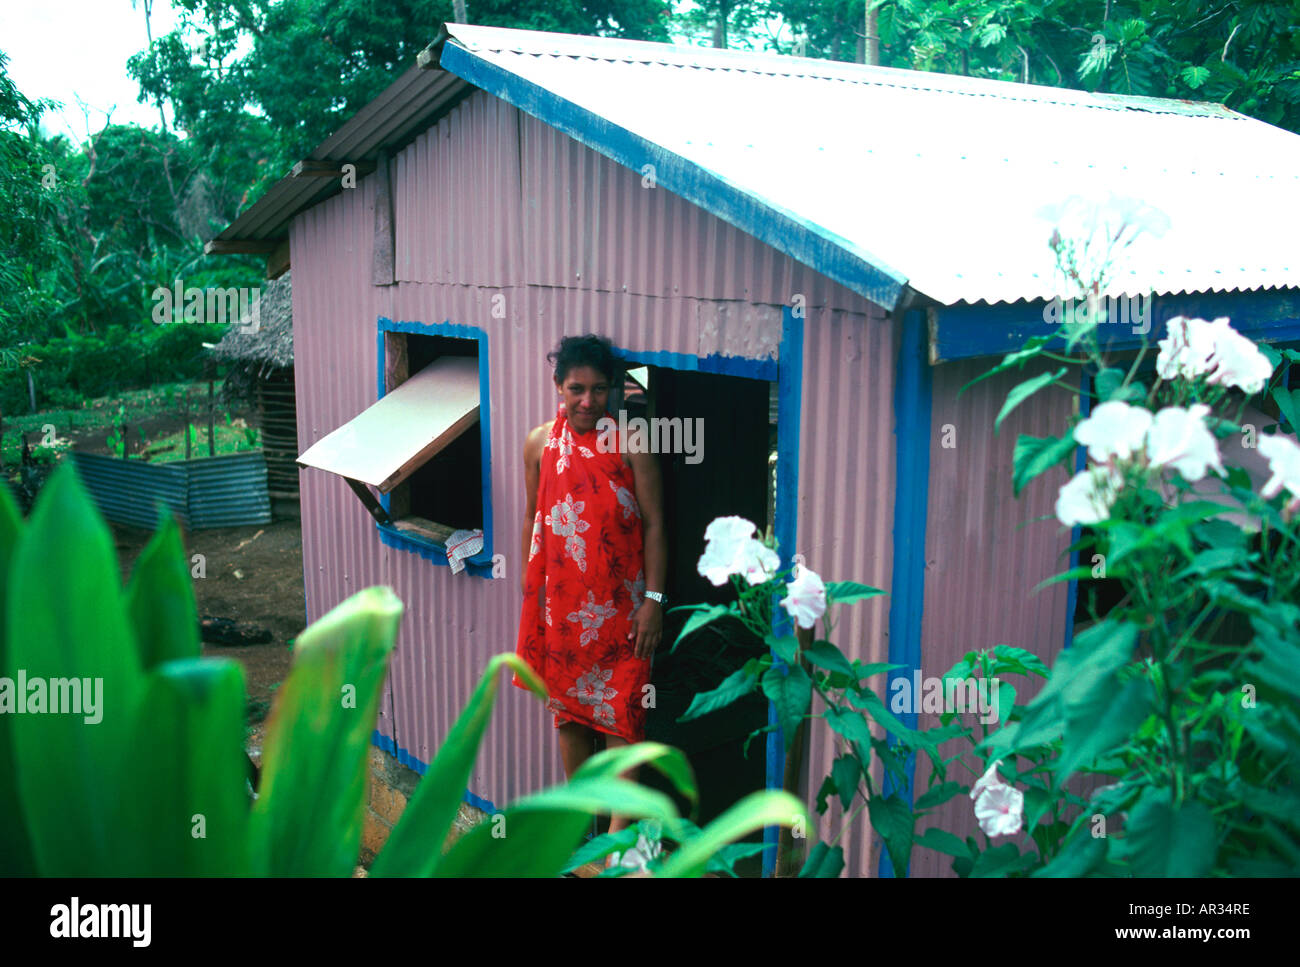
<point>597,553</point>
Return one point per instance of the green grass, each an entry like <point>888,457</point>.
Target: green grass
<point>229,439</point>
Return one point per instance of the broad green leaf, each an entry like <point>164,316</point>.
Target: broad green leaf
<point>785,647</point>
<point>790,691</point>
<point>1008,658</point>
<point>415,844</point>
<point>308,816</point>
<point>823,863</point>
<point>940,794</point>
<point>767,808</point>
<point>160,599</point>
<point>597,795</point>
<point>846,772</point>
<point>516,844</point>
<point>185,805</point>
<point>1022,391</point>
<point>1002,861</point>
<point>15,842</point>
<point>1164,840</point>
<point>620,760</point>
<point>1016,359</point>
<point>599,847</point>
<point>1034,456</point>
<point>893,819</point>
<point>943,841</point>
<point>725,859</point>
<point>1100,720</point>
<point>734,687</point>
<point>827,656</point>
<point>846,592</point>
<point>1288,402</point>
<point>1108,382</point>
<point>850,724</point>
<point>67,621</point>
<point>1081,856</point>
<point>703,615</point>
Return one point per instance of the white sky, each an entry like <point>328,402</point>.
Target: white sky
<point>70,49</point>
<point>63,49</point>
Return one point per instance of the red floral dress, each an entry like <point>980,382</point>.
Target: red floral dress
<point>585,580</point>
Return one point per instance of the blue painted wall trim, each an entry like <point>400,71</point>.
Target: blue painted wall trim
<point>786,231</point>
<point>789,395</point>
<point>720,365</point>
<point>411,762</point>
<point>912,404</point>
<point>965,331</point>
<point>480,565</point>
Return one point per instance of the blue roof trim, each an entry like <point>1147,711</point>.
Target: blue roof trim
<point>480,565</point>
<point>828,253</point>
<point>789,391</point>
<point>966,331</point>
<point>411,762</point>
<point>912,405</point>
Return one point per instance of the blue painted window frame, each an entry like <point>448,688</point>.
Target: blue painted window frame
<point>480,565</point>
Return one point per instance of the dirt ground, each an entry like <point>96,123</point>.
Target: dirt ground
<point>254,576</point>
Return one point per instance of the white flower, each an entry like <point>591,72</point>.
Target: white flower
<point>1179,438</point>
<point>564,517</point>
<point>1000,810</point>
<point>1088,496</point>
<point>998,806</point>
<point>1113,429</point>
<point>1187,348</point>
<point>805,598</point>
<point>590,688</point>
<point>1284,464</point>
<point>1237,361</point>
<point>592,615</point>
<point>730,548</point>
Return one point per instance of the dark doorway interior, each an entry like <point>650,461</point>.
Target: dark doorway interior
<point>732,477</point>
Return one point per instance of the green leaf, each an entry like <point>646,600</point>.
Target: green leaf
<point>66,620</point>
<point>767,808</point>
<point>846,771</point>
<point>1108,382</point>
<point>1034,456</point>
<point>846,592</point>
<point>308,816</point>
<point>415,844</point>
<point>850,724</point>
<point>786,648</point>
<point>1023,391</point>
<point>790,691</point>
<point>940,794</point>
<point>193,783</point>
<point>668,761</point>
<point>823,863</point>
<point>943,841</point>
<point>733,688</point>
<point>160,599</point>
<point>516,844</point>
<point>599,847</point>
<point>1288,402</point>
<point>725,859</point>
<point>827,656</point>
<point>892,818</point>
<point>703,615</point>
<point>1080,856</point>
<point>1002,860</point>
<point>1194,76</point>
<point>1016,359</point>
<point>1099,720</point>
<point>15,842</point>
<point>1165,840</point>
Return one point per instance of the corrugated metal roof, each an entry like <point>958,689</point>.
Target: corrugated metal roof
<point>934,178</point>
<point>882,179</point>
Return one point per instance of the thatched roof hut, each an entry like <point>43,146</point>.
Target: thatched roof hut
<point>261,375</point>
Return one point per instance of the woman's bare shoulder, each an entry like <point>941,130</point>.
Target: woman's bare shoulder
<point>536,439</point>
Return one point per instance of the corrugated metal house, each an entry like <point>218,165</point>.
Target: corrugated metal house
<point>852,243</point>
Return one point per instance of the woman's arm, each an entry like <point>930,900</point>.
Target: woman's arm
<point>647,623</point>
<point>532,472</point>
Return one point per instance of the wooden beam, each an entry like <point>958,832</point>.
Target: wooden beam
<point>243,246</point>
<point>382,270</point>
<point>277,263</point>
<point>368,499</point>
<point>329,169</point>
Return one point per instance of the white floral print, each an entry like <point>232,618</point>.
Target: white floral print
<point>565,521</point>
<point>590,689</point>
<point>536,544</point>
<point>635,590</point>
<point>564,442</point>
<point>626,500</point>
<point>592,616</point>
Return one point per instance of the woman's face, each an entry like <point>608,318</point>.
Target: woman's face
<point>585,392</point>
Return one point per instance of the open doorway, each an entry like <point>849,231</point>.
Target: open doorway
<point>729,472</point>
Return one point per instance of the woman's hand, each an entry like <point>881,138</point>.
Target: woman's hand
<point>647,628</point>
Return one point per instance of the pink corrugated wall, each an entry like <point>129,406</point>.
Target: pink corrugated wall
<point>492,202</point>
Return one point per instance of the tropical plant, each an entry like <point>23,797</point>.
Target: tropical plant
<point>116,671</point>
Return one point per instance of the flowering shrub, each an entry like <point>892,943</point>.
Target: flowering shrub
<point>1183,695</point>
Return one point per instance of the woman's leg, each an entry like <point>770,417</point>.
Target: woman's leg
<point>576,745</point>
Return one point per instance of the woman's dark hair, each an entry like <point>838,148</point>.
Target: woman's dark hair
<point>589,350</point>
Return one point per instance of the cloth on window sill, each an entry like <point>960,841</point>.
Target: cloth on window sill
<point>462,544</point>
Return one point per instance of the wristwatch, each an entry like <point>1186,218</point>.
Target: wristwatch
<point>658,596</point>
